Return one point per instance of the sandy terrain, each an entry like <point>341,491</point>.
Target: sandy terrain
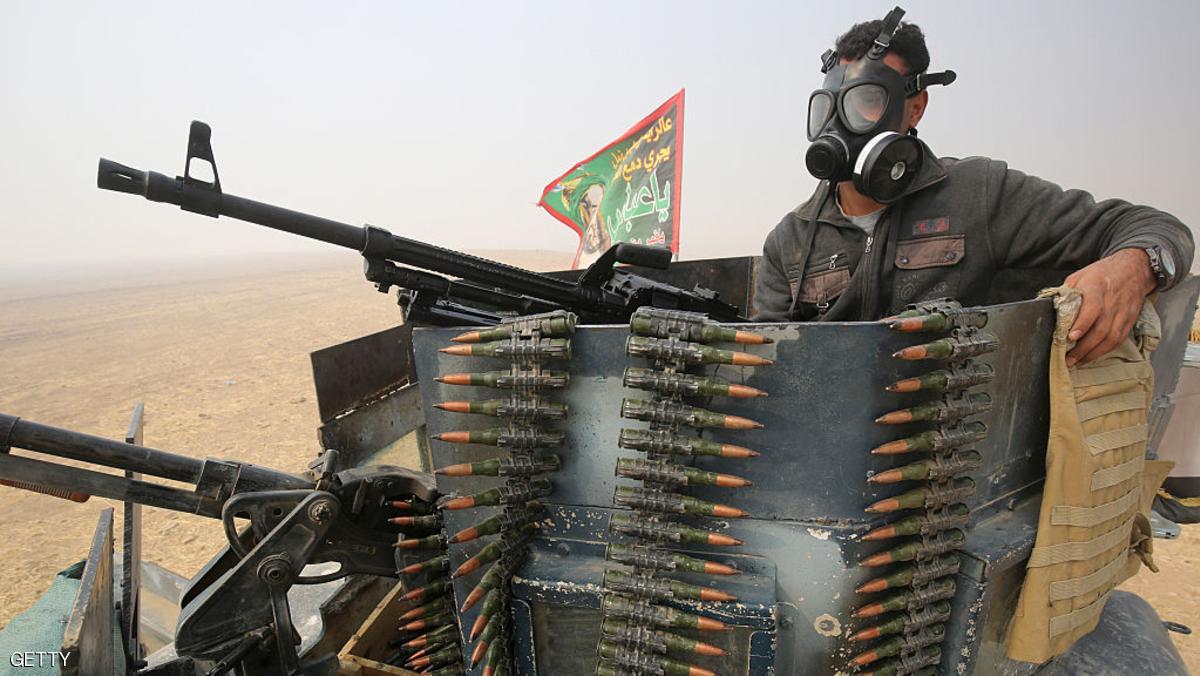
<point>220,356</point>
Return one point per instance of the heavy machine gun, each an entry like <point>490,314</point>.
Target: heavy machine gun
<point>237,606</point>
<point>484,292</point>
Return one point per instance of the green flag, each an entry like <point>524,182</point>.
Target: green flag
<point>628,191</point>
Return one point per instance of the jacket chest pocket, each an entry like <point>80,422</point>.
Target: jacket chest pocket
<point>931,252</point>
<point>822,283</point>
<point>927,268</point>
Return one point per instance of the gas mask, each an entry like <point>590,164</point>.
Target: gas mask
<point>853,118</point>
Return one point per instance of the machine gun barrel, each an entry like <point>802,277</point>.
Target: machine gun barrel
<point>602,294</point>
<point>370,241</point>
<point>215,480</point>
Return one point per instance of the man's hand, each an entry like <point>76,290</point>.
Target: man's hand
<point>1113,290</point>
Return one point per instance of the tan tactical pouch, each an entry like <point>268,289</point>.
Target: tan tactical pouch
<point>1094,528</point>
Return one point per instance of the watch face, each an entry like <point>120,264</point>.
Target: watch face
<point>1168,264</point>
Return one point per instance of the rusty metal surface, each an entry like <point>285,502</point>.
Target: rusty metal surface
<point>367,434</point>
<point>350,374</point>
<point>88,636</point>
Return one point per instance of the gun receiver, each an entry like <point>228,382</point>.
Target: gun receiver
<point>489,290</point>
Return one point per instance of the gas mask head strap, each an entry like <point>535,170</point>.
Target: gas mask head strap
<point>891,24</point>
<point>912,84</point>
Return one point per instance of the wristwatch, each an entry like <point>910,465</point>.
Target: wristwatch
<point>1161,264</point>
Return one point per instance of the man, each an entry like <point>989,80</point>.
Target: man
<point>891,224</point>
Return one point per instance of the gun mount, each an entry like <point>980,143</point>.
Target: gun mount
<point>818,514</point>
<point>240,601</point>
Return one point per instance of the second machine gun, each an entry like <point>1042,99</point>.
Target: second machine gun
<point>484,292</point>
<point>235,613</point>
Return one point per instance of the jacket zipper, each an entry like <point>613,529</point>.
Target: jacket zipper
<point>867,265</point>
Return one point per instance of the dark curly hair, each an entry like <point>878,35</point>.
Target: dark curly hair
<point>908,43</point>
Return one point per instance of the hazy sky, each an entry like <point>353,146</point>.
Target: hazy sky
<point>443,120</point>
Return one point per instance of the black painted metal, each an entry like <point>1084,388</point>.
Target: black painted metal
<point>131,550</point>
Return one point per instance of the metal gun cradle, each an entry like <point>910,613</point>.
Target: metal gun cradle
<point>619,467</point>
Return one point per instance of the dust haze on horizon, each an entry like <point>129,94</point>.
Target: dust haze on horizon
<point>443,122</point>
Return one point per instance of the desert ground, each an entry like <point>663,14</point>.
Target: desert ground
<point>219,354</point>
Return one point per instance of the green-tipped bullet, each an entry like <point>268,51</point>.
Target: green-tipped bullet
<point>427,591</point>
<point>663,472</point>
<point>939,321</point>
<point>686,384</point>
<point>958,346</point>
<point>894,646</point>
<point>433,647</point>
<point>523,465</point>
<point>524,380</point>
<point>494,601</point>
<point>671,503</point>
<point>528,410</point>
<point>437,541</point>
<point>895,667</point>
<point>490,552</point>
<point>413,506</point>
<point>451,654</point>
<point>936,468</point>
<point>674,413</point>
<point>946,409</point>
<point>691,326</point>
<point>644,612</point>
<point>498,523</point>
<point>935,440</point>
<point>427,522</point>
<point>655,640</point>
<point>660,588</point>
<point>435,607</point>
<point>524,439</point>
<point>933,613</point>
<point>509,494</point>
<point>939,544</point>
<point>648,664</point>
<point>909,599</point>
<point>432,637</point>
<point>953,516</point>
<point>915,575</point>
<point>928,496</point>
<point>428,623</point>
<point>492,659</point>
<point>670,349</point>
<point>438,564</point>
<point>655,530</point>
<point>653,558</point>
<point>663,441</point>
<point>545,348</point>
<point>495,577</point>
<point>548,325</point>
<point>483,642</point>
<point>953,377</point>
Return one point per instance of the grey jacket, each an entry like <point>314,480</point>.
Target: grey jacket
<point>970,229</point>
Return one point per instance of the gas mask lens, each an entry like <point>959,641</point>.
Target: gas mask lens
<point>863,107</point>
<point>820,109</point>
